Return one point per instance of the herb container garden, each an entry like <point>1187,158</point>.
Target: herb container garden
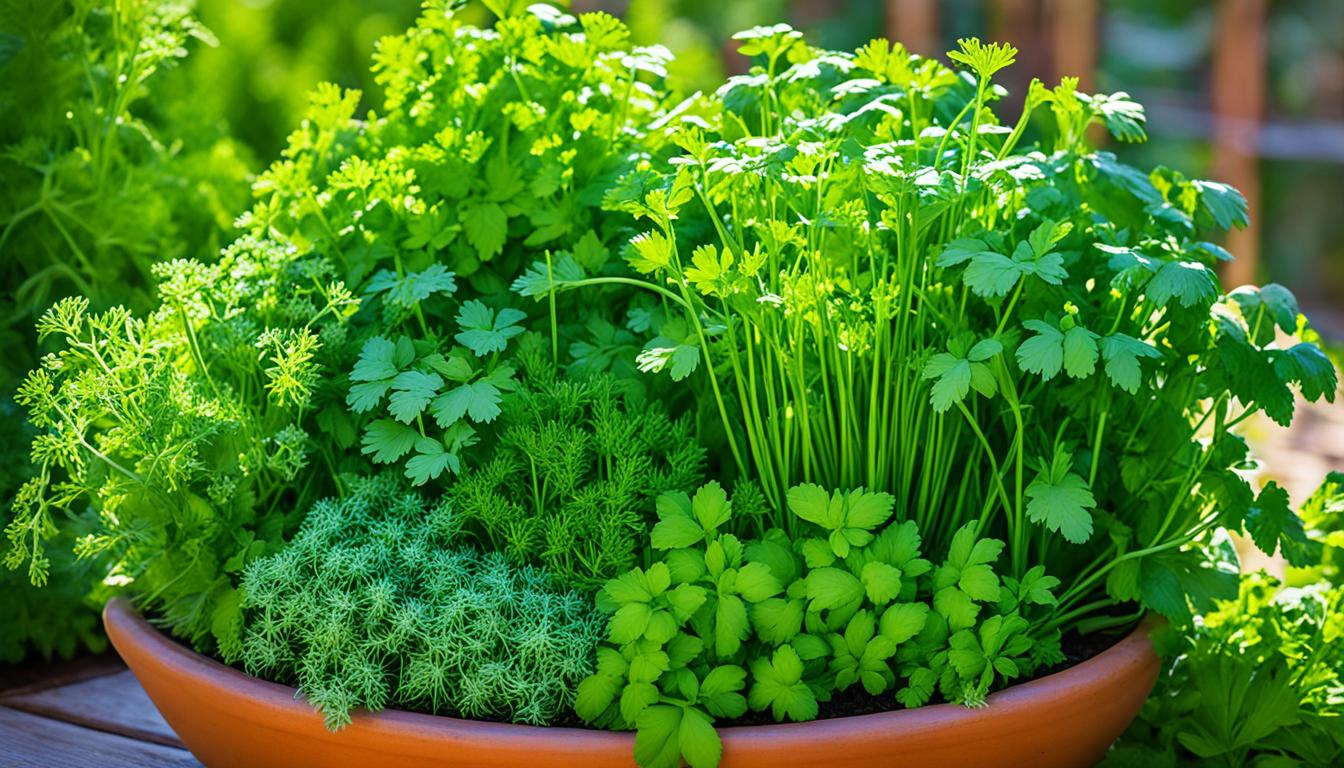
<point>543,395</point>
<point>228,718</point>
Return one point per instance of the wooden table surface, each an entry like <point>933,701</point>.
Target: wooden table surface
<point>88,712</point>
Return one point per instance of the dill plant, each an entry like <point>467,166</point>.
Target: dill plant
<point>374,604</point>
<point>573,474</point>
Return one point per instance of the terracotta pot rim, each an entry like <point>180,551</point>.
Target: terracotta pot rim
<point>125,622</point>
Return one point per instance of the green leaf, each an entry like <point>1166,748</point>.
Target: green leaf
<point>411,392</point>
<point>430,461</point>
<point>903,621</point>
<point>480,400</point>
<point>755,582</point>
<point>657,737</point>
<point>699,742</point>
<point>719,691</point>
<point>636,698</point>
<point>1224,204</point>
<point>1043,353</point>
<point>881,582</point>
<point>730,625</point>
<point>1188,281</point>
<point>777,684</point>
<point>540,279</point>
<point>484,332</point>
<point>387,441</point>
<point>649,252</point>
<point>1121,354</point>
<point>710,506</point>
<point>1061,499</point>
<point>377,361</point>
<point>487,228</point>
<point>1271,521</point>
<point>833,588</point>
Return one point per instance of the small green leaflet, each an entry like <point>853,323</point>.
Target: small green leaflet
<point>673,350</point>
<point>1122,354</point>
<point>487,228</point>
<point>1274,526</point>
<point>483,331</point>
<point>411,392</point>
<point>1190,282</point>
<point>541,279</point>
<point>955,372</point>
<point>992,275</point>
<point>1061,499</point>
<point>387,441</point>
<point>1224,204</point>
<point>666,734</point>
<point>414,287</point>
<point>1050,350</point>
<point>777,684</point>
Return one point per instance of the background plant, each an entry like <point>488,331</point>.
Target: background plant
<point>373,604</point>
<point>1259,680</point>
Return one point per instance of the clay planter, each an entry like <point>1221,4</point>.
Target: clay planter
<point>227,718</point>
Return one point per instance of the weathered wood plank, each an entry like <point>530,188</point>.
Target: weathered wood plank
<point>115,703</point>
<point>30,741</point>
<point>38,675</point>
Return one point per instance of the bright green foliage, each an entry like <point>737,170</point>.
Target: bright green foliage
<point>101,177</point>
<point>1259,679</point>
<point>718,625</point>
<point>489,145</point>
<point>1258,683</point>
<point>575,469</point>
<point>177,434</point>
<point>52,621</point>
<point>871,280</point>
<point>374,605</point>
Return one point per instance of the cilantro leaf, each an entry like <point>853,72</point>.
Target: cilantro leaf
<point>484,332</point>
<point>1121,354</point>
<point>777,684</point>
<point>1061,499</point>
<point>1273,524</point>
<point>487,228</point>
<point>387,441</point>
<point>1188,281</point>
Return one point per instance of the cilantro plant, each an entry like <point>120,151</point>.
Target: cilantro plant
<point>718,625</point>
<point>874,281</point>
<point>374,604</point>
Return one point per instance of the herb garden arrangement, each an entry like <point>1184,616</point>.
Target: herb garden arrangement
<point>540,393</point>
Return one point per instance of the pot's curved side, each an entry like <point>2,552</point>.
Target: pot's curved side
<point>227,718</point>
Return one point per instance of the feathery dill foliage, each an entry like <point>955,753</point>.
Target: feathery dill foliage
<point>183,436</point>
<point>374,605</point>
<point>101,179</point>
<point>571,481</point>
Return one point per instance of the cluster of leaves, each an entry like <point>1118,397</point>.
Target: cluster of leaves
<point>100,183</point>
<point>182,437</point>
<point>1259,682</point>
<point>718,626</point>
<point>53,621</point>
<point>373,604</point>
<point>876,283</point>
<point>573,475</point>
<point>194,434</point>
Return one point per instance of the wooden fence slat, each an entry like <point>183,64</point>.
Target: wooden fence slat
<point>915,24</point>
<point>1238,95</point>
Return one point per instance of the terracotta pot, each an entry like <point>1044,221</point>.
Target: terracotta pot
<point>227,718</point>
